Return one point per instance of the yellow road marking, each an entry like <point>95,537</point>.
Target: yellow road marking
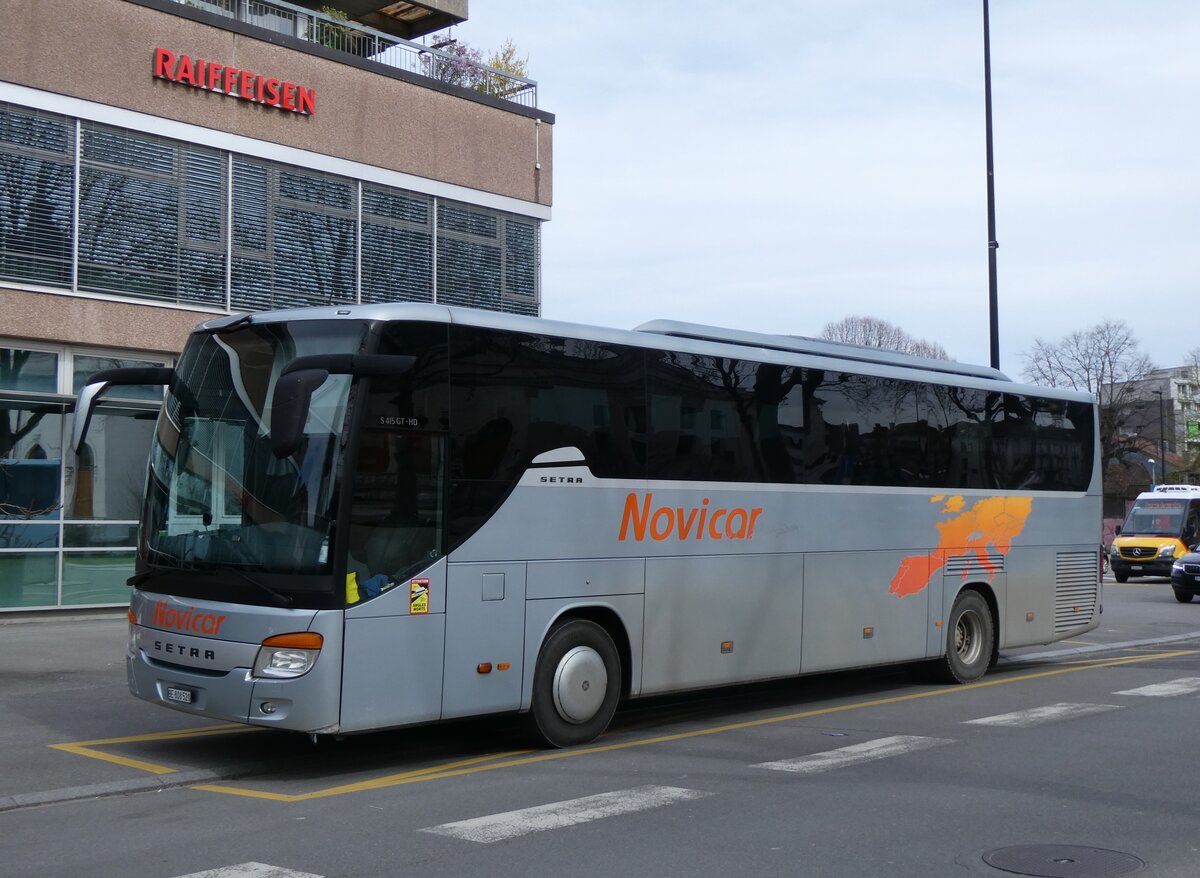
<point>461,769</point>
<point>84,748</point>
<point>517,758</point>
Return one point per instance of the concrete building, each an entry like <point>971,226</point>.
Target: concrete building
<point>162,162</point>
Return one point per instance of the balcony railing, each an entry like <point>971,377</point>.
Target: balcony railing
<point>364,42</point>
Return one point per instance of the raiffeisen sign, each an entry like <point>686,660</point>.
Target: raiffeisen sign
<point>245,85</point>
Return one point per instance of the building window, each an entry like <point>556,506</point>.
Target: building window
<point>486,260</point>
<point>151,217</point>
<point>68,524</point>
<point>293,236</point>
<point>397,246</point>
<point>37,181</point>
<point>28,371</point>
<point>152,222</point>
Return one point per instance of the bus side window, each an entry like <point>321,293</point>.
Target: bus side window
<point>397,518</point>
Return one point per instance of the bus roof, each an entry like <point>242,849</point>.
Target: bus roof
<point>671,335</point>
<point>821,347</point>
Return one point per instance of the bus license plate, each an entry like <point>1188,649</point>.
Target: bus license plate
<point>182,696</point>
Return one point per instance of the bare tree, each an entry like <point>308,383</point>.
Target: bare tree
<point>872,332</point>
<point>1105,361</point>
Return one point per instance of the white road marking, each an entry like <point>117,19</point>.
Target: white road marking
<point>869,751</point>
<point>251,870</point>
<point>510,824</point>
<point>1182,686</point>
<point>1039,715</point>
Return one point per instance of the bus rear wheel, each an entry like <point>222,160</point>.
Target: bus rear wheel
<point>576,684</point>
<point>970,637</point>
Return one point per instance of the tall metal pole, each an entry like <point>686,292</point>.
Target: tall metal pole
<point>1162,438</point>
<point>994,318</point>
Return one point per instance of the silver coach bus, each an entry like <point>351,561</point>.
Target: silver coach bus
<point>367,517</point>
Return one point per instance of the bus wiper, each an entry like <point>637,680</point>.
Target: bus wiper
<point>281,599</point>
<point>145,576</point>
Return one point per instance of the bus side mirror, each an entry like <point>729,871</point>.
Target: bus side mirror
<point>289,411</point>
<point>302,376</point>
<point>99,383</point>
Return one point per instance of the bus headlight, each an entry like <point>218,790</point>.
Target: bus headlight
<point>288,655</point>
<point>1166,552</point>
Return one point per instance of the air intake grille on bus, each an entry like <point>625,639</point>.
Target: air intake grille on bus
<point>963,566</point>
<point>1076,588</point>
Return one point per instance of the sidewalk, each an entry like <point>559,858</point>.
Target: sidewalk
<point>62,680</point>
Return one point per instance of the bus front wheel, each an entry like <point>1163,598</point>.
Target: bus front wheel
<point>970,638</point>
<point>576,684</point>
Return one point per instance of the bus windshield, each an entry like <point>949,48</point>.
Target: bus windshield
<point>217,497</point>
<point>1155,518</point>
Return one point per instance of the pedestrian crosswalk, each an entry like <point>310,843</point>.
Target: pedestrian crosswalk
<point>557,815</point>
<point>869,751</point>
<point>1182,686</point>
<point>251,870</point>
<point>1036,716</point>
<point>510,824</point>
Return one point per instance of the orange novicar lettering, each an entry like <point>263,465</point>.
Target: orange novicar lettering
<point>684,523</point>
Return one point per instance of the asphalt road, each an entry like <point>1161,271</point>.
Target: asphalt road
<point>1083,746</point>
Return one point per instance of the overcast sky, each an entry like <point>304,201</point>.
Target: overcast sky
<point>778,167</point>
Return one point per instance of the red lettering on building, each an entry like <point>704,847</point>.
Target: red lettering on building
<point>164,62</point>
<point>244,85</point>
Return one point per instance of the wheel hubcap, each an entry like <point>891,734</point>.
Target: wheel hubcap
<point>968,637</point>
<point>580,684</point>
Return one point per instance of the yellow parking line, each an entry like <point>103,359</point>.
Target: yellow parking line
<point>446,770</point>
<point>85,748</point>
<point>81,750</point>
<point>467,767</point>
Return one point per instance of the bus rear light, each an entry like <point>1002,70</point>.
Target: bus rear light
<point>288,655</point>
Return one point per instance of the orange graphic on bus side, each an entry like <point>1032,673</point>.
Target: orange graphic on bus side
<point>685,523</point>
<point>990,525</point>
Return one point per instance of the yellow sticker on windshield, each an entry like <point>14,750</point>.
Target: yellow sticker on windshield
<point>418,597</point>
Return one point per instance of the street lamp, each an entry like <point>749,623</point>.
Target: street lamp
<point>1162,436</point>
<point>993,318</point>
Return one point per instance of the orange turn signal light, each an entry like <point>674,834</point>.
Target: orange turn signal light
<point>483,668</point>
<point>132,618</point>
<point>299,640</point>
